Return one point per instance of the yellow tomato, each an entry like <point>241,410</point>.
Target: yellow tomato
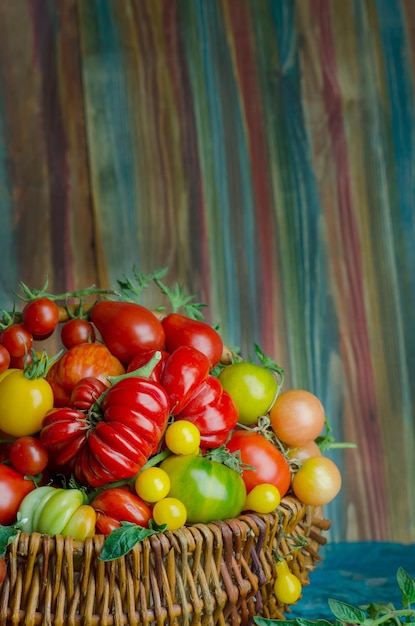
<point>287,586</point>
<point>23,403</point>
<point>263,498</point>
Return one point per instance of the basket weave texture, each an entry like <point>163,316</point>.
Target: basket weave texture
<point>219,573</point>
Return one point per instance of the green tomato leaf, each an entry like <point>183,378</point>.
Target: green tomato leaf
<point>407,587</point>
<point>123,539</point>
<point>346,612</point>
<point>7,535</point>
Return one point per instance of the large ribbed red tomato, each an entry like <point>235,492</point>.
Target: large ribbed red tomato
<point>115,438</point>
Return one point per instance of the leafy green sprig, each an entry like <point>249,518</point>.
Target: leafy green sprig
<point>373,614</point>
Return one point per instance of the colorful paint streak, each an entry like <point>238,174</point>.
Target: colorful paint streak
<point>263,151</point>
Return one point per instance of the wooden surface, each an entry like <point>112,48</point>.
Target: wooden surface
<point>263,150</point>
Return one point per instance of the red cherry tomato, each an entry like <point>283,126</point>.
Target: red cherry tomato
<point>17,340</point>
<point>41,317</point>
<point>28,455</point>
<point>270,464</point>
<point>76,331</point>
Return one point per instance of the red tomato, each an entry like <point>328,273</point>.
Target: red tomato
<point>41,317</point>
<point>301,453</point>
<point>20,362</point>
<point>81,361</point>
<point>127,328</point>
<point>142,358</point>
<point>116,505</point>
<point>17,340</point>
<point>270,464</point>
<point>3,569</point>
<point>4,359</point>
<point>297,416</point>
<point>183,331</point>
<point>213,411</point>
<point>86,392</point>
<point>184,371</point>
<point>114,445</point>
<point>28,455</point>
<point>13,488</point>
<point>76,331</point>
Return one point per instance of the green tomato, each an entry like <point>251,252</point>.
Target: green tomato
<point>252,387</point>
<point>30,505</point>
<point>58,510</point>
<point>209,490</point>
<point>49,509</point>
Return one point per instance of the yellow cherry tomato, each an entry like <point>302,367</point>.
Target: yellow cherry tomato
<point>170,511</point>
<point>23,403</point>
<point>263,498</point>
<point>152,484</point>
<point>287,586</point>
<point>182,437</point>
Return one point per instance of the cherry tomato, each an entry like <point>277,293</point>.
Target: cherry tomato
<point>317,482</point>
<point>152,484</point>
<point>4,358</point>
<point>252,388</point>
<point>297,416</point>
<point>303,452</point>
<point>270,464</point>
<point>263,498</point>
<point>76,331</point>
<point>41,317</point>
<point>287,586</point>
<point>182,437</point>
<point>28,455</point>
<point>170,511</point>
<point>20,362</point>
<point>17,340</point>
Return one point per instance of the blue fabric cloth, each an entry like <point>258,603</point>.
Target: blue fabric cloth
<point>357,573</point>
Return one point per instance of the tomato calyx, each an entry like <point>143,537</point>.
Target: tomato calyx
<point>39,364</point>
<point>230,459</point>
<point>326,441</point>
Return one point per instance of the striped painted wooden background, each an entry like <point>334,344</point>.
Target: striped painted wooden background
<point>263,150</point>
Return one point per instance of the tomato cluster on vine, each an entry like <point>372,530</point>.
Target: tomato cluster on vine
<point>146,418</point>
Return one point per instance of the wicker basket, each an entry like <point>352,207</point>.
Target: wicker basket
<point>219,573</point>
